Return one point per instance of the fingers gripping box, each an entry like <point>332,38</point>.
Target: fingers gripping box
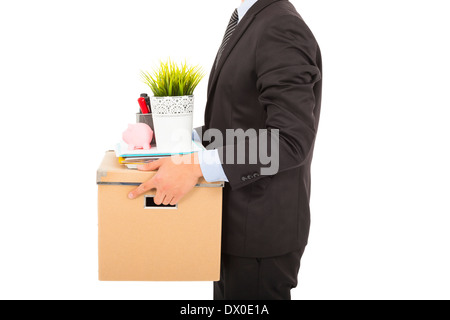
<point>139,241</point>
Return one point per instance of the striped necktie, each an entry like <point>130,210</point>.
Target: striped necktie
<point>230,29</point>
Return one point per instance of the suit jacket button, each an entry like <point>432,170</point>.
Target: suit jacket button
<point>256,175</point>
<point>244,179</point>
<point>249,177</point>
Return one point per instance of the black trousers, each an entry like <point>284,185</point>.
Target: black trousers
<point>257,278</point>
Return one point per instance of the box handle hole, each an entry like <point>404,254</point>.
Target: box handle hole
<point>149,203</point>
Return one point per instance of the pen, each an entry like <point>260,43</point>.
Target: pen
<point>147,100</point>
<point>149,105</point>
<point>143,105</point>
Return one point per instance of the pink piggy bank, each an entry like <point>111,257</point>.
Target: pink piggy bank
<point>138,136</point>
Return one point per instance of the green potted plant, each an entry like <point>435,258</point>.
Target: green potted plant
<point>173,104</point>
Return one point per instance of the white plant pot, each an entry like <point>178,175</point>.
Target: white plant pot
<point>172,118</point>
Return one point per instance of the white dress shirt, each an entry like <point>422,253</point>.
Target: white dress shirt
<point>244,7</point>
<point>209,160</point>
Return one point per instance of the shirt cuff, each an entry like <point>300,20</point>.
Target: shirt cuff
<point>195,136</point>
<point>211,166</point>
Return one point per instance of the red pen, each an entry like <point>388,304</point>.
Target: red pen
<point>143,105</point>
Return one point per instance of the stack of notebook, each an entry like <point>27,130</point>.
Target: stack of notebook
<point>132,158</point>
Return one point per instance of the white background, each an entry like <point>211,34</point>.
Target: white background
<point>69,80</point>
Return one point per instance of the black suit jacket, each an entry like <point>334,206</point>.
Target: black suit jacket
<point>269,77</point>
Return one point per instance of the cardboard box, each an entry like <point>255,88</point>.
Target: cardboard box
<point>138,242</point>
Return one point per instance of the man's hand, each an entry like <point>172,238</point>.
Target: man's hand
<point>174,179</point>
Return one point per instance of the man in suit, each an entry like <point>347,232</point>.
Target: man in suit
<point>267,77</point>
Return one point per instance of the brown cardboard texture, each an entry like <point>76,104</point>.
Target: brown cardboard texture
<point>138,242</point>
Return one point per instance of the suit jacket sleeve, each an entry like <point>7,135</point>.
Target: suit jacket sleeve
<point>286,69</point>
